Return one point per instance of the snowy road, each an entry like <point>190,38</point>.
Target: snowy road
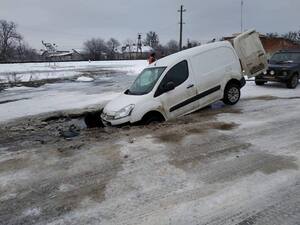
<point>221,165</point>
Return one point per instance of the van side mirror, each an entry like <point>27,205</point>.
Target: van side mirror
<point>169,86</point>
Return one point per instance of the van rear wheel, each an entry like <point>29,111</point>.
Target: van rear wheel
<point>232,94</point>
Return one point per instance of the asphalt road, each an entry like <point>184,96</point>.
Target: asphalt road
<point>221,165</point>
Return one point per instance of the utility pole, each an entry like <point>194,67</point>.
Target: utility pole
<point>181,24</point>
<point>242,5</point>
<point>139,44</point>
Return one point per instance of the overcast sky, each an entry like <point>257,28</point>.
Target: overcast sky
<point>68,23</point>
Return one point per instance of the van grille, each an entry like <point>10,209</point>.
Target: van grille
<point>107,117</point>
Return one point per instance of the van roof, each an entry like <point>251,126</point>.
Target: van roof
<point>185,54</point>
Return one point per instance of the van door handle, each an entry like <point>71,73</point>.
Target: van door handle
<point>190,86</point>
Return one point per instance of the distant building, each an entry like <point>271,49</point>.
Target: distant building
<point>134,51</point>
<point>273,44</point>
<point>52,53</point>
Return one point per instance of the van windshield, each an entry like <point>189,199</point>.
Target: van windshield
<point>145,82</point>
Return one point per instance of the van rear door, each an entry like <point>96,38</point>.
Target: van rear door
<point>251,53</point>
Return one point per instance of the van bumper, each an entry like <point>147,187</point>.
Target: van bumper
<point>118,122</point>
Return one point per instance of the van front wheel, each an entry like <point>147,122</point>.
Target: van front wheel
<point>232,94</point>
<point>152,117</point>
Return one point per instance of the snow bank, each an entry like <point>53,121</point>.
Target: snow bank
<point>24,72</point>
<point>52,101</point>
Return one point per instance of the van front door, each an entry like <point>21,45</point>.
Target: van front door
<point>177,100</point>
<point>251,53</point>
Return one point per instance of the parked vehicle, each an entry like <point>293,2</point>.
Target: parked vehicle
<point>284,66</point>
<point>189,80</point>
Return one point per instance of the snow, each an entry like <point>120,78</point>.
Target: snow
<point>269,89</point>
<point>87,91</point>
<point>52,101</point>
<point>84,79</point>
<point>38,71</point>
<point>21,88</point>
<point>32,212</point>
<point>123,65</point>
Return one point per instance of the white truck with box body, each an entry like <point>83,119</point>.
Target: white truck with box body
<point>189,80</point>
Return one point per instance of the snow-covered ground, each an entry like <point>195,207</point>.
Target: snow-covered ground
<point>18,102</point>
<point>231,165</point>
<point>82,92</point>
<point>25,72</point>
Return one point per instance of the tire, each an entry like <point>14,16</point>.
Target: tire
<point>232,94</point>
<point>293,82</point>
<point>151,119</point>
<point>93,119</point>
<point>259,83</point>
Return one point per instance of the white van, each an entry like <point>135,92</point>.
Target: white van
<point>189,80</point>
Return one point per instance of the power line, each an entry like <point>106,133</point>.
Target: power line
<point>181,11</point>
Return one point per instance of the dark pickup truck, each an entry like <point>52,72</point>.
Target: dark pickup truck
<point>284,66</point>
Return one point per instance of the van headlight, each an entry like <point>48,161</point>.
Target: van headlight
<point>126,111</point>
<point>272,72</point>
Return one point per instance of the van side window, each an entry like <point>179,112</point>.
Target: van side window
<point>177,74</point>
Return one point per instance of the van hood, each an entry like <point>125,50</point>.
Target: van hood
<point>122,101</point>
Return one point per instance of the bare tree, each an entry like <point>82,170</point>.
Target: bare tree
<point>96,48</point>
<point>172,46</point>
<point>9,37</point>
<point>292,35</point>
<point>272,34</point>
<point>192,43</point>
<point>112,44</point>
<point>152,39</point>
<point>22,52</point>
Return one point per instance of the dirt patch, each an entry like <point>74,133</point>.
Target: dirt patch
<point>213,125</point>
<point>199,122</point>
<point>193,156</point>
<point>270,98</point>
<point>273,163</point>
<point>171,137</point>
<point>249,164</point>
<point>13,164</point>
<point>176,136</point>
